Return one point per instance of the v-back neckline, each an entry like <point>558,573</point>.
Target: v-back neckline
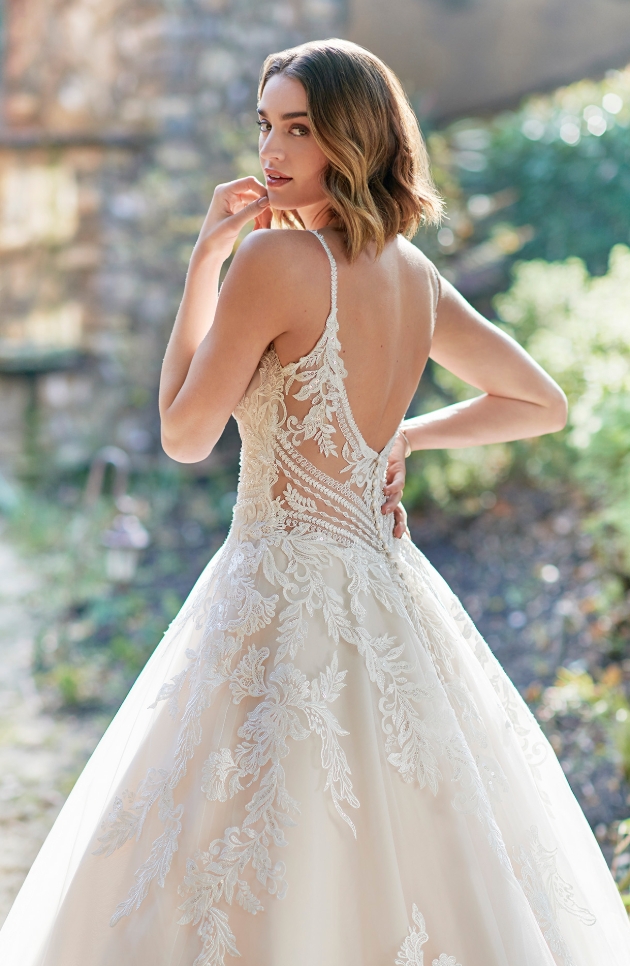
<point>331,326</point>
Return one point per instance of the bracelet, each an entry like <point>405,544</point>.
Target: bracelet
<point>407,443</point>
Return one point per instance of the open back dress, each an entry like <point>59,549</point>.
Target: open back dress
<point>322,763</point>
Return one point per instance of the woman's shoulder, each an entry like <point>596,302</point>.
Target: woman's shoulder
<point>412,254</point>
<point>265,243</point>
<point>277,252</point>
<point>281,271</point>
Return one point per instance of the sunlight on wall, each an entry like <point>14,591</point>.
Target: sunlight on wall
<point>38,203</point>
<point>57,328</point>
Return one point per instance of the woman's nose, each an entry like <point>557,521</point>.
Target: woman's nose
<point>271,149</point>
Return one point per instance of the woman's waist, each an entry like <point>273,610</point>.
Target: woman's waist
<point>294,513</point>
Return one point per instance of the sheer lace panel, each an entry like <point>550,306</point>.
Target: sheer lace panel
<point>304,463</point>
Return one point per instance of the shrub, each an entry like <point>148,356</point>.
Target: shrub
<point>548,180</point>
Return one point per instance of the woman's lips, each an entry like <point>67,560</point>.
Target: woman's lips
<point>276,180</point>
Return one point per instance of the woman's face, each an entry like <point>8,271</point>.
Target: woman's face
<point>290,157</point>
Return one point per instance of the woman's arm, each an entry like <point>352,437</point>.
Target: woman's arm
<point>518,400</point>
<point>216,343</point>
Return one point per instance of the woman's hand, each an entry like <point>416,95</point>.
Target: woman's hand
<point>394,485</point>
<point>233,205</point>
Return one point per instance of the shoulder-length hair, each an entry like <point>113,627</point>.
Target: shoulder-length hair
<point>378,181</point>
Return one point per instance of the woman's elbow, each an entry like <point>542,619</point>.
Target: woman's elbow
<point>558,410</point>
<point>183,449</point>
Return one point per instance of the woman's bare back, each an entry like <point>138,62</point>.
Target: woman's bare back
<point>386,313</point>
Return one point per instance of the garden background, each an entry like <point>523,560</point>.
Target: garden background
<point>118,120</point>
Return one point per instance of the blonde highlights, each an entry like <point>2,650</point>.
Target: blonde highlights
<point>378,181</point>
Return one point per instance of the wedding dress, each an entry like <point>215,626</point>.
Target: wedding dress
<point>322,764</point>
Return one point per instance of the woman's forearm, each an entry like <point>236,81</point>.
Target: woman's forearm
<point>484,419</point>
<point>193,321</point>
<point>233,205</point>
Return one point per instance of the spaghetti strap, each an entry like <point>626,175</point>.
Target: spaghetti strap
<point>438,290</point>
<point>333,272</point>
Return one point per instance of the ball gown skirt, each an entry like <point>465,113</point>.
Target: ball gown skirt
<point>322,763</point>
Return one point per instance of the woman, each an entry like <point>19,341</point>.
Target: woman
<point>322,763</point>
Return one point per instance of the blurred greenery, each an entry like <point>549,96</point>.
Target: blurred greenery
<point>600,705</point>
<point>96,634</point>
<point>548,180</point>
<point>587,720</point>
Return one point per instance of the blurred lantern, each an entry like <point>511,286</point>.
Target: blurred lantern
<point>124,541</point>
<point>126,536</point>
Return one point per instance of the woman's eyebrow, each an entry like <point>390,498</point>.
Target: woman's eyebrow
<point>285,117</point>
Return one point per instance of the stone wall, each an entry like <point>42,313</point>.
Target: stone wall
<point>459,57</point>
<point>118,118</point>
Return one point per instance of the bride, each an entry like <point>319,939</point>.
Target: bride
<point>322,764</point>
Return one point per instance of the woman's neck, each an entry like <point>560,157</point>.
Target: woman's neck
<point>317,215</point>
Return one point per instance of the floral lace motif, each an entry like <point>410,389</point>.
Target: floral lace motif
<point>411,954</point>
<point>548,892</point>
<point>218,873</point>
<point>298,520</point>
<point>337,488</point>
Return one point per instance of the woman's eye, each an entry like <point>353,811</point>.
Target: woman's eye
<point>297,130</point>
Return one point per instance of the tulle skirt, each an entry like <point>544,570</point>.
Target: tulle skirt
<point>321,763</point>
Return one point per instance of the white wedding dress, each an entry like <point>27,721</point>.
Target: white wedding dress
<point>322,764</point>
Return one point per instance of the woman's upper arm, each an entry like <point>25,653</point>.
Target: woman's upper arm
<point>248,317</point>
<point>486,357</point>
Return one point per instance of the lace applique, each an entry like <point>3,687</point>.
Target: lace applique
<point>219,873</point>
<point>411,954</point>
<point>548,892</point>
<point>344,501</point>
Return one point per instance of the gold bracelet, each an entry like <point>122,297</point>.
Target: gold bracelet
<point>407,443</point>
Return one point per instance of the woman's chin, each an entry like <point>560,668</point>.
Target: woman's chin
<point>282,202</point>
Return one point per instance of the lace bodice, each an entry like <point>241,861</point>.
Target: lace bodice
<point>305,467</point>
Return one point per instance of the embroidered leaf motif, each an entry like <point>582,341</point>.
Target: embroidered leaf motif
<point>170,692</point>
<point>299,501</point>
<point>248,677</point>
<point>293,631</point>
<point>119,826</point>
<point>548,892</point>
<point>214,929</point>
<point>158,864</point>
<point>411,954</point>
<point>216,770</point>
<point>219,872</point>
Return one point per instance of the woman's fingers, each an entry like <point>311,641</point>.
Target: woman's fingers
<point>393,489</point>
<point>252,210</point>
<point>400,522</point>
<point>237,195</point>
<point>242,187</point>
<point>397,481</point>
<point>219,232</point>
<point>391,502</point>
<point>263,220</point>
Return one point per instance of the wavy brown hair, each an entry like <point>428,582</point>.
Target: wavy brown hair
<point>378,181</point>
